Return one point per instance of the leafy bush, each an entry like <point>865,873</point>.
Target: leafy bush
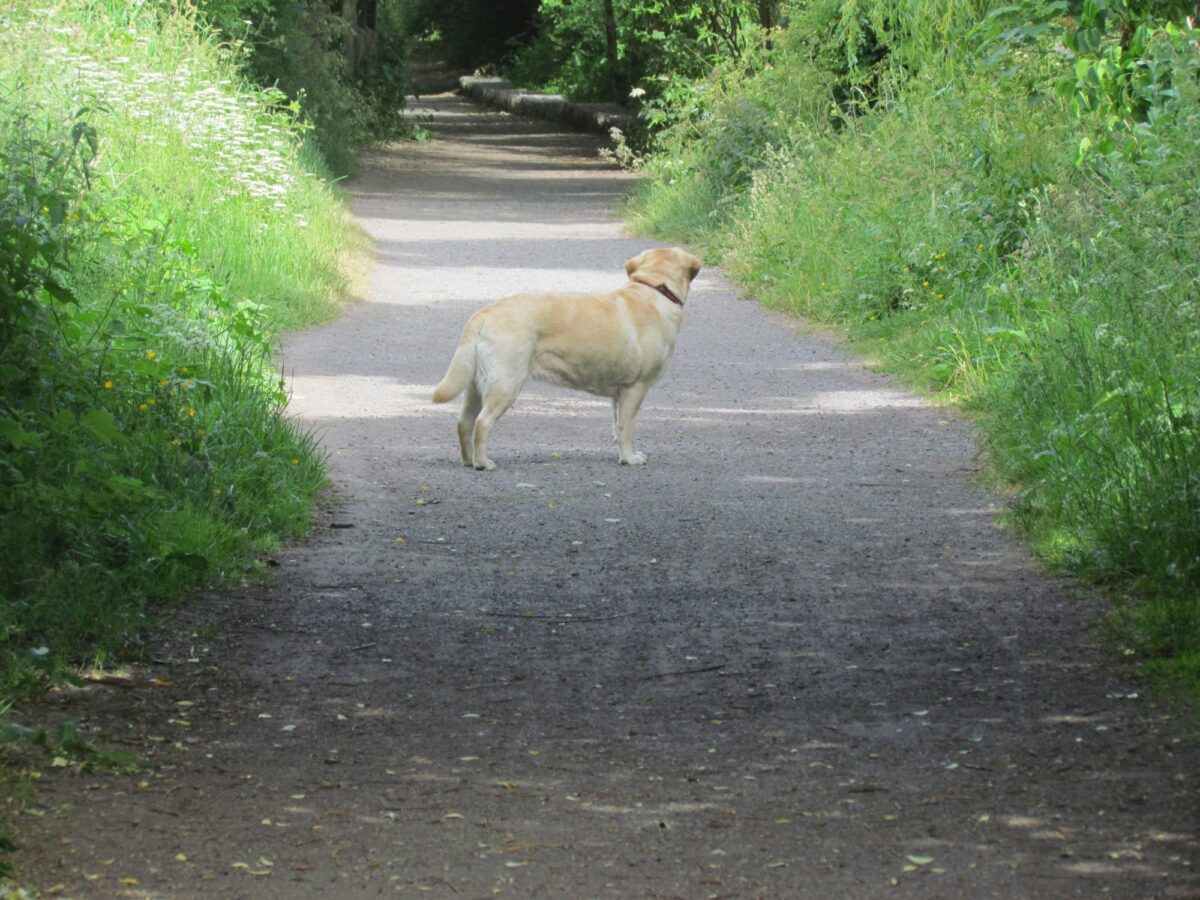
<point>348,89</point>
<point>661,46</point>
<point>1002,207</point>
<point>472,33</point>
<point>157,225</point>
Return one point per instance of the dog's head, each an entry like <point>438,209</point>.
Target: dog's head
<point>670,266</point>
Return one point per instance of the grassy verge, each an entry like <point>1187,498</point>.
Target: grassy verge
<point>160,222</point>
<point>1006,228</point>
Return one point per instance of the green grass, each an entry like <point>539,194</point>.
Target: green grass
<point>940,215</point>
<point>161,221</point>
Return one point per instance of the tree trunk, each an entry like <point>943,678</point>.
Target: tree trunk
<point>768,13</point>
<point>350,34</point>
<point>610,34</point>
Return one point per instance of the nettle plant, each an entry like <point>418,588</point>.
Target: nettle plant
<point>41,185</point>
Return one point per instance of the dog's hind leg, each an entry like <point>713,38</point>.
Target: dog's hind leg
<point>495,403</point>
<point>472,404</point>
<point>625,408</point>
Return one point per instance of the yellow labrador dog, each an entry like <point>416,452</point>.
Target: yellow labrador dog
<point>614,344</point>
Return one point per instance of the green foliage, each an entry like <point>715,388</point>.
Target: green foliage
<point>661,45</point>
<point>349,87</point>
<point>472,33</point>
<point>157,225</point>
<point>1002,206</point>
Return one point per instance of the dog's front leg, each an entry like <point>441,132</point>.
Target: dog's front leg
<point>626,406</point>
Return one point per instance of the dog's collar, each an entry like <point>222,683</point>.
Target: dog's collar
<point>662,289</point>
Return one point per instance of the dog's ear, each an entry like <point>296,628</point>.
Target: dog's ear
<point>632,265</point>
<point>692,264</point>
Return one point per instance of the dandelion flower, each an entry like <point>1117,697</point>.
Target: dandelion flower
<point>108,384</point>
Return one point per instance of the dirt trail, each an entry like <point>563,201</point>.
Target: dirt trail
<point>793,657</point>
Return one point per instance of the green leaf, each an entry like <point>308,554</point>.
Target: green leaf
<point>103,426</point>
<point>17,436</point>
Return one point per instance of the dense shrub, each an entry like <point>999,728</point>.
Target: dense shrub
<point>347,77</point>
<point>661,46</point>
<point>1001,204</point>
<point>473,33</point>
<point>158,223</point>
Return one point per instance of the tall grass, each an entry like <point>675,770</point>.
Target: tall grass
<point>160,222</point>
<point>1002,230</point>
<point>187,143</point>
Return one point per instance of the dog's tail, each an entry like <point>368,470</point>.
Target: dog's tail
<point>462,365</point>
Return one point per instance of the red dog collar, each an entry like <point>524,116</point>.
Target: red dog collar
<point>662,289</point>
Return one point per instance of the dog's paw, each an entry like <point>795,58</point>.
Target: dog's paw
<point>634,459</point>
<point>486,466</point>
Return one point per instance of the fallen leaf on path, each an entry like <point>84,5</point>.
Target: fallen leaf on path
<point>919,860</point>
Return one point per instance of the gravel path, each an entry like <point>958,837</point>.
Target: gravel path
<point>792,657</point>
